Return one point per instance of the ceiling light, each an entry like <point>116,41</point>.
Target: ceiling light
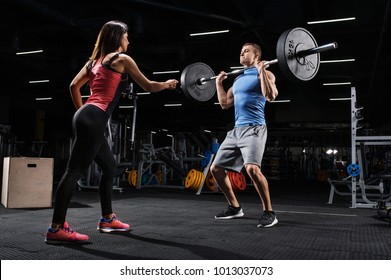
<point>331,20</point>
<point>337,84</point>
<point>29,52</point>
<point>165,72</point>
<point>126,107</point>
<point>43,98</point>
<point>207,131</point>
<point>281,101</point>
<point>143,93</point>
<point>340,99</point>
<point>38,81</point>
<point>331,151</point>
<point>173,105</point>
<point>209,33</point>
<point>85,96</point>
<point>338,60</point>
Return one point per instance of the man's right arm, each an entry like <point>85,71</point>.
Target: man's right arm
<point>225,98</point>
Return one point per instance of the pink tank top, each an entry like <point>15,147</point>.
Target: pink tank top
<point>106,85</point>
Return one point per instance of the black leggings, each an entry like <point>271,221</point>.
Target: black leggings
<point>89,125</point>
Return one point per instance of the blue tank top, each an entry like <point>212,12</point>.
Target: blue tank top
<point>249,101</point>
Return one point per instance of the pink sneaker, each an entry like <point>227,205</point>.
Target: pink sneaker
<point>113,224</point>
<point>64,235</point>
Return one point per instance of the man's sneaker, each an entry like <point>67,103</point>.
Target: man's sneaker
<point>64,235</point>
<point>268,219</point>
<point>230,213</point>
<point>113,224</point>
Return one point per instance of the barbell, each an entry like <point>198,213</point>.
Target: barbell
<point>298,56</point>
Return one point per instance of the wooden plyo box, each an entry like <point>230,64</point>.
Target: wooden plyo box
<point>27,182</point>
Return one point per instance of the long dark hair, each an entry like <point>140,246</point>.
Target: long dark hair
<point>109,39</point>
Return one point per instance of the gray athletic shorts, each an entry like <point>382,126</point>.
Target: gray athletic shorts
<point>241,146</point>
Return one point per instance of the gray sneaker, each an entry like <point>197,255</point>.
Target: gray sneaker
<point>230,213</point>
<point>268,219</point>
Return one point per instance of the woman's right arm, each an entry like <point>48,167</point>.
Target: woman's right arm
<point>80,80</point>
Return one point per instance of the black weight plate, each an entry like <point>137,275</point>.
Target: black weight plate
<point>191,86</point>
<point>292,66</point>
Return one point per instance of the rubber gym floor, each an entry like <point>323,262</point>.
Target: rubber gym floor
<point>172,223</point>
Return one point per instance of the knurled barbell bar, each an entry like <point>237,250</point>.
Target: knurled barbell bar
<point>297,56</point>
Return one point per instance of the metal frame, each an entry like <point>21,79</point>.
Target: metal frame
<point>358,184</point>
<point>206,170</point>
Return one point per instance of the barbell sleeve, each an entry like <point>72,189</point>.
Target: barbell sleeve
<point>318,49</point>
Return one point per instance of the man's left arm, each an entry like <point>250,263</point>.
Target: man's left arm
<point>267,80</point>
<point>268,85</point>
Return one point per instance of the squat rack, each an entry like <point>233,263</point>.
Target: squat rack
<point>357,182</point>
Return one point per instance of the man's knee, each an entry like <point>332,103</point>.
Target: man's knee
<point>214,169</point>
<point>253,169</point>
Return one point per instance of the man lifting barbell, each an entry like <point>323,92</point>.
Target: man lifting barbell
<point>245,143</point>
<point>298,56</point>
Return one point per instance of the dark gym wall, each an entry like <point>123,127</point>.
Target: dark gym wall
<point>4,109</point>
